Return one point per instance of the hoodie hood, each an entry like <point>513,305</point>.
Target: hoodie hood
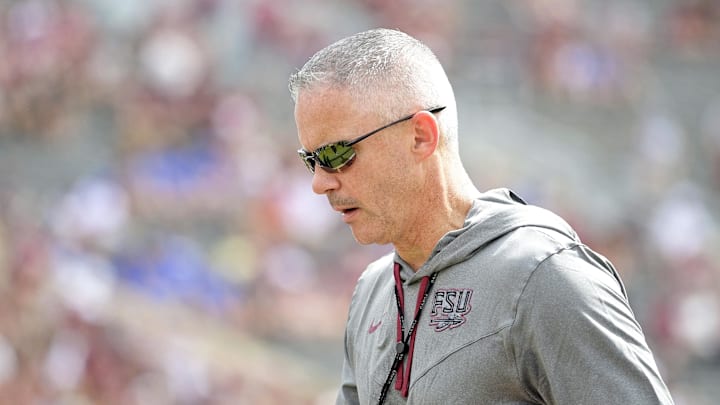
<point>494,214</point>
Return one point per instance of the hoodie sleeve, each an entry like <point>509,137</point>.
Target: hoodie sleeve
<point>348,393</point>
<point>576,340</point>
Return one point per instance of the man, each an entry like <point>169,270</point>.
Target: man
<point>485,300</point>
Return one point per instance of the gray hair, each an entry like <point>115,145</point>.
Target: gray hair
<point>382,63</point>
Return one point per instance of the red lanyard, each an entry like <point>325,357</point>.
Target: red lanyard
<point>405,344</point>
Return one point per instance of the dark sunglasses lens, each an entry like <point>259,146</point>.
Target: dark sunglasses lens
<point>335,156</point>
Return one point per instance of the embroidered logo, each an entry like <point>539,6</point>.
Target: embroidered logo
<point>374,326</point>
<point>449,308</point>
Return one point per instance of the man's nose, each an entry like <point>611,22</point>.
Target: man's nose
<point>324,182</point>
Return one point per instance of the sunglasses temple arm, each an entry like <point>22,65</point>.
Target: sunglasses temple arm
<point>356,140</point>
<point>362,137</point>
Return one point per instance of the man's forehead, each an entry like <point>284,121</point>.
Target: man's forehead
<point>324,116</point>
<point>320,94</point>
<point>337,102</point>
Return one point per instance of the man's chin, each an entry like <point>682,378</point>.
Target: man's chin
<point>362,238</point>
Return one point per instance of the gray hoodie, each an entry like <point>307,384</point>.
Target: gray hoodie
<point>521,313</point>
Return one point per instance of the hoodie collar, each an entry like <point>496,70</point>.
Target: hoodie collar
<point>492,215</point>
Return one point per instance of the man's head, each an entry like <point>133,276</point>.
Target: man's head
<point>382,64</point>
<point>383,183</point>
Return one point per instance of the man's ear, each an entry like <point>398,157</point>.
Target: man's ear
<point>426,134</point>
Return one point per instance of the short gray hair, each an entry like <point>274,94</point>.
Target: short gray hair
<point>381,62</point>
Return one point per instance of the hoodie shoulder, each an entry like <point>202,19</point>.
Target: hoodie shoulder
<point>502,196</point>
<point>502,210</point>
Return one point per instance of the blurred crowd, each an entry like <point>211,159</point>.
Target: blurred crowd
<point>159,241</point>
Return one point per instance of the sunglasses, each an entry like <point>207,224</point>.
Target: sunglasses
<point>334,156</point>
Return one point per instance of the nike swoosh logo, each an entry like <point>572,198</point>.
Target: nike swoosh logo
<point>373,327</point>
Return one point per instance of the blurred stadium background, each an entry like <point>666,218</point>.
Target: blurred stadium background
<point>159,242</point>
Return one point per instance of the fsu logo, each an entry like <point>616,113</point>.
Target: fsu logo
<point>449,308</point>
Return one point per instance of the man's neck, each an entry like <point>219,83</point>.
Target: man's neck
<point>428,229</point>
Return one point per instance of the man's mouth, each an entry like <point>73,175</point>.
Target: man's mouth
<point>348,211</point>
